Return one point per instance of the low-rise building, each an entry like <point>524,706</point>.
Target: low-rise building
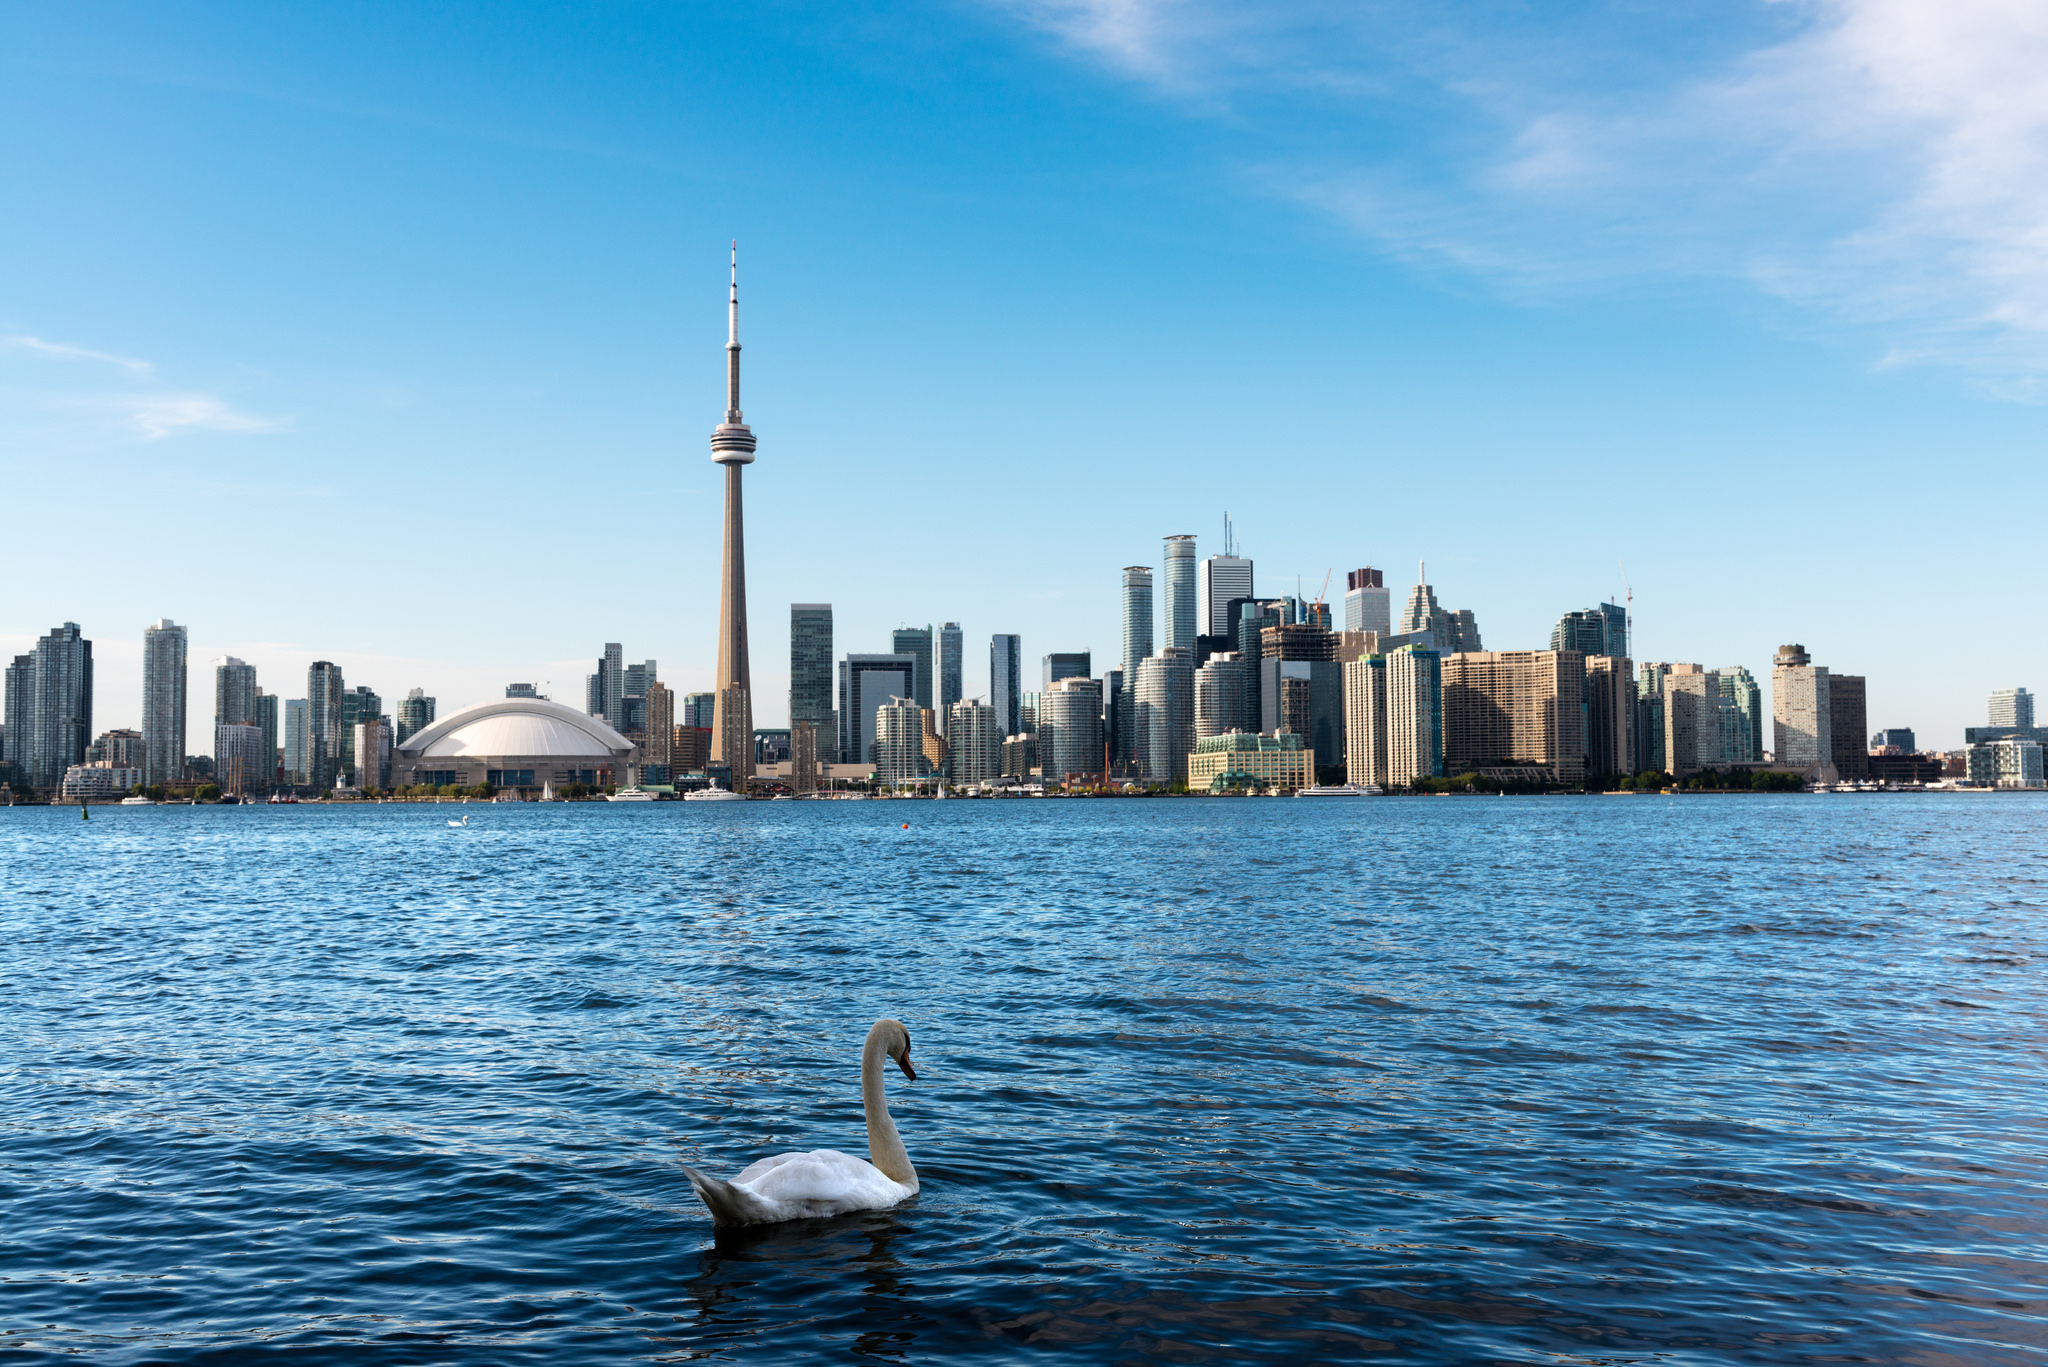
<point>2006,764</point>
<point>1240,759</point>
<point>100,780</point>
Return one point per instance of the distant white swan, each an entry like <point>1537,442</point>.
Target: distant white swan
<point>458,825</point>
<point>804,1186</point>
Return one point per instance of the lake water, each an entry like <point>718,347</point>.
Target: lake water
<point>1539,1080</point>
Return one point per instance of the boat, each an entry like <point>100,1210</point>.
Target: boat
<point>138,802</point>
<point>1340,790</point>
<point>713,794</point>
<point>633,794</point>
<point>547,792</point>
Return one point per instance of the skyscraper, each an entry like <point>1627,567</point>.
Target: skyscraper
<point>1137,616</point>
<point>1802,727</point>
<point>1006,681</point>
<point>661,731</point>
<point>1164,714</point>
<point>1070,728</point>
<point>810,675</point>
<point>974,742</point>
<point>1367,606</point>
<point>416,714</point>
<point>298,741</point>
<point>899,742</point>
<point>1224,582</point>
<point>1064,664</point>
<point>1415,715</point>
<point>1451,631</point>
<point>1182,620</point>
<point>699,710</point>
<point>950,658</point>
<point>1219,695</point>
<point>1610,717</point>
<point>60,728</point>
<point>1518,708</point>
<point>1616,616</point>
<point>234,694</point>
<point>1584,632</point>
<point>611,686</point>
<point>163,702</point>
<point>916,642</point>
<point>21,711</point>
<point>1848,726</point>
<point>1365,720</point>
<point>323,724</point>
<point>866,683</point>
<point>1742,716</point>
<point>2011,707</point>
<point>732,445</point>
<point>266,722</point>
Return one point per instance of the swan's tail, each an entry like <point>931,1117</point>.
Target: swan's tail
<point>727,1203</point>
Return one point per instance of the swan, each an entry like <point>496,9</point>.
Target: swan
<point>806,1186</point>
<point>458,825</point>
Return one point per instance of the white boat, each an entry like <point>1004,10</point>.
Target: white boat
<point>713,795</point>
<point>547,792</point>
<point>138,802</point>
<point>1340,790</point>
<point>630,795</point>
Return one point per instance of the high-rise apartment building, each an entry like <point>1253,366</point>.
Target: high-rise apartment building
<point>324,724</point>
<point>1848,724</point>
<point>916,642</point>
<point>121,748</point>
<point>20,715</point>
<point>1365,721</point>
<point>1070,728</point>
<point>234,693</point>
<point>810,675</point>
<point>1367,604</point>
<point>661,730</point>
<point>699,710</point>
<point>267,723</point>
<point>373,753</point>
<point>1164,714</point>
<point>1181,611</point>
<point>899,742</point>
<point>1649,738</point>
<point>240,765</point>
<point>1225,582</point>
<point>1219,696</point>
<point>951,677</point>
<point>1801,722</point>
<point>1064,664</point>
<point>1610,693</point>
<point>1137,594</point>
<point>1742,716</point>
<point>1415,715</point>
<point>1006,681</point>
<point>163,702</point>
<point>608,694</point>
<point>1115,709</point>
<point>1616,643</point>
<point>1692,720</point>
<point>2011,707</point>
<point>60,726</point>
<point>1516,709</point>
<point>866,684</point>
<point>1584,632</point>
<point>974,742</point>
<point>298,741</point>
<point>416,713</point>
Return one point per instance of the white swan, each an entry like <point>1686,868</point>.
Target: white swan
<point>805,1186</point>
<point>458,825</point>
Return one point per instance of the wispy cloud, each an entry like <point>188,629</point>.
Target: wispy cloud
<point>144,408</point>
<point>1878,163</point>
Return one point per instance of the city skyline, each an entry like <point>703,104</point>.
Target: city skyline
<point>272,269</point>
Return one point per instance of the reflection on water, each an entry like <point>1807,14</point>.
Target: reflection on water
<point>1519,1080</point>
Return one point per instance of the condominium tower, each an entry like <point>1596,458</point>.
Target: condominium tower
<point>1182,620</point>
<point>163,702</point>
<point>1801,722</point>
<point>1225,582</point>
<point>1006,681</point>
<point>810,674</point>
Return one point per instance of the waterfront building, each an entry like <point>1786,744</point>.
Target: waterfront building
<point>1164,714</point>
<point>518,743</point>
<point>1223,583</point>
<point>1649,737</point>
<point>1137,643</point>
<point>298,741</point>
<point>240,763</point>
<point>1181,616</point>
<point>732,445</point>
<point>866,684</point>
<point>934,741</point>
<point>266,722</point>
<point>810,674</point>
<point>373,753</point>
<point>1610,694</point>
<point>234,696</point>
<point>974,742</point>
<point>951,676</point>
<point>1019,755</point>
<point>1801,723</point>
<point>1692,720</point>
<point>2011,707</point>
<point>20,715</point>
<point>1114,708</point>
<point>1006,681</point>
<point>1742,716</point>
<point>1520,711</point>
<point>1897,740</point>
<point>416,713</point>
<point>1415,715</point>
<point>1848,724</point>
<point>99,782</point>
<point>1070,728</point>
<point>659,750</point>
<point>2006,764</point>
<point>690,751</point>
<point>1064,664</point>
<point>899,742</point>
<point>1219,695</point>
<point>324,723</point>
<point>1365,720</point>
<point>1242,759</point>
<point>120,747</point>
<point>60,722</point>
<point>1367,604</point>
<point>803,757</point>
<point>916,642</point>
<point>1306,654</point>
<point>164,683</point>
<point>358,705</point>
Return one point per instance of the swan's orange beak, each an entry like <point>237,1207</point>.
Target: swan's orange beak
<point>904,1064</point>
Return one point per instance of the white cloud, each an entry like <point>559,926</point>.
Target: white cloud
<point>164,415</point>
<point>146,408</point>
<point>1879,163</point>
<point>62,352</point>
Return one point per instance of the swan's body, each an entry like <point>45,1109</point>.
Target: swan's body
<point>458,825</point>
<point>805,1186</point>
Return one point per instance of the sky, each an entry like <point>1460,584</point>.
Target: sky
<point>392,335</point>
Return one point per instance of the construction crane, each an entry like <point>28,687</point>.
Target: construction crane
<point>1326,589</point>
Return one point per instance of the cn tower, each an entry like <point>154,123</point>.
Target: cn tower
<point>732,445</point>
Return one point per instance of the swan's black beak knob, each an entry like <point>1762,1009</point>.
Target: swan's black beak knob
<point>904,1064</point>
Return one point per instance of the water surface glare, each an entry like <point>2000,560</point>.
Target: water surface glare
<point>1540,1080</point>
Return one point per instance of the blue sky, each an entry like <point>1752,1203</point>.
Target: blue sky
<point>393,338</point>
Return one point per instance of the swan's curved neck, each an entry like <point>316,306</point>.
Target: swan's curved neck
<point>885,1146</point>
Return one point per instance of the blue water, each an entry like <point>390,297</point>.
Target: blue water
<point>1540,1080</point>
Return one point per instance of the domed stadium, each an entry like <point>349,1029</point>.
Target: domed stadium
<point>516,743</point>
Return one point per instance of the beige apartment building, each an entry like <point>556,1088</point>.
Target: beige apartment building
<point>1515,711</point>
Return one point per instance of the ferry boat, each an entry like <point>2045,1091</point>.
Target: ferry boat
<point>1341,790</point>
<point>713,794</point>
<point>138,801</point>
<point>634,794</point>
